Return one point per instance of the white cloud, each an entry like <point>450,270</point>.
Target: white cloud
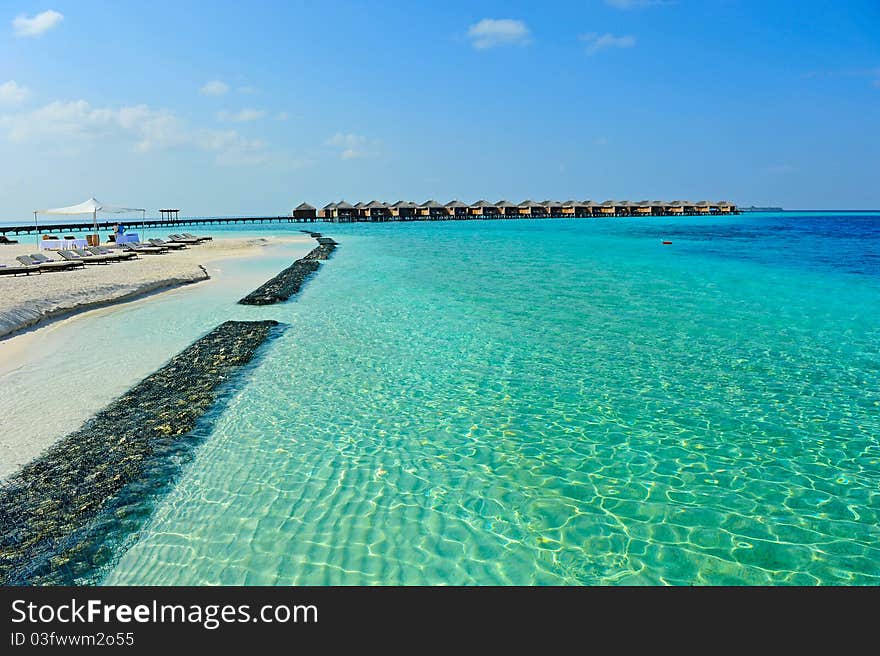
<point>634,4</point>
<point>214,88</point>
<point>36,25</point>
<point>596,42</point>
<point>491,32</point>
<point>247,89</point>
<point>12,94</point>
<point>242,116</point>
<point>145,128</point>
<point>353,146</point>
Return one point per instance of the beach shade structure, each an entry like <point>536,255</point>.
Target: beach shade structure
<point>91,206</point>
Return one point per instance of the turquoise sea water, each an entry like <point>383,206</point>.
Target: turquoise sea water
<point>546,402</point>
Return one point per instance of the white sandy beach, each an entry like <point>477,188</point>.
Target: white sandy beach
<point>40,307</point>
<point>26,301</point>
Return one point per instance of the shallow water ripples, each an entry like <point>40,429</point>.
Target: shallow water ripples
<point>490,428</point>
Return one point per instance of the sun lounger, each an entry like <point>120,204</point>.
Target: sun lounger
<point>117,256</point>
<point>48,265</point>
<point>136,247</point>
<point>180,239</point>
<point>6,240</point>
<point>191,236</point>
<point>18,270</point>
<point>70,256</point>
<point>160,243</point>
<point>41,259</point>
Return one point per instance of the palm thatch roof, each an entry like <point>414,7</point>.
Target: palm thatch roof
<point>431,204</point>
<point>374,205</point>
<point>504,204</point>
<point>304,206</point>
<point>329,206</point>
<point>344,206</point>
<point>456,204</point>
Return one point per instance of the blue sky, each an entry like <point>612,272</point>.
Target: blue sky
<point>235,108</point>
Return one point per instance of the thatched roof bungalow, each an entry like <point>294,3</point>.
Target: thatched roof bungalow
<point>456,209</point>
<point>376,211</point>
<point>403,209</point>
<point>432,210</point>
<point>345,212</point>
<point>328,211</point>
<point>506,208</point>
<point>676,207</point>
<point>552,207</point>
<point>305,212</point>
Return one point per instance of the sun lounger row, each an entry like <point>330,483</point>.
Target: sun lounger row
<point>75,258</point>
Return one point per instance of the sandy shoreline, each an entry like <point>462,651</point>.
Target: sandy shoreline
<point>29,301</point>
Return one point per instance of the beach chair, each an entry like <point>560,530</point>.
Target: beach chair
<point>137,248</point>
<point>6,240</point>
<point>70,256</point>
<point>165,244</point>
<point>18,270</point>
<point>47,264</point>
<point>180,239</point>
<point>191,236</point>
<point>111,255</point>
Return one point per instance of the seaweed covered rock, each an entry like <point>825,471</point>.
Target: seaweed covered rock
<point>57,511</point>
<point>290,281</point>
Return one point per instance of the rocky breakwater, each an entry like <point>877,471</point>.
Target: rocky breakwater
<point>57,512</point>
<point>290,281</point>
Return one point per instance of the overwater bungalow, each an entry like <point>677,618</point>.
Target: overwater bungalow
<point>404,210</point>
<point>608,208</point>
<point>484,209</point>
<point>525,208</point>
<point>345,212</point>
<point>591,207</point>
<point>571,209</point>
<point>552,207</point>
<point>431,209</point>
<point>538,210</point>
<point>676,207</point>
<point>456,209</point>
<point>305,212</point>
<point>376,211</point>
<point>643,208</point>
<point>475,210</point>
<point>506,208</point>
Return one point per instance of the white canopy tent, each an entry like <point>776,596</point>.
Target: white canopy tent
<point>91,206</point>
